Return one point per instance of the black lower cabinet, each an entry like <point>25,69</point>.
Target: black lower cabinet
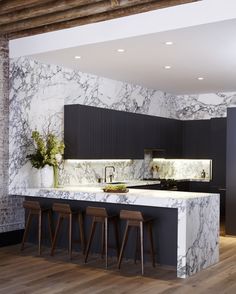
<point>11,238</point>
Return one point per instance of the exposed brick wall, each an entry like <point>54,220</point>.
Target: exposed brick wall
<point>10,207</point>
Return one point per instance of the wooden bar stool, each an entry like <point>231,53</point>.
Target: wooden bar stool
<point>35,209</point>
<point>65,212</point>
<point>135,219</point>
<point>100,215</point>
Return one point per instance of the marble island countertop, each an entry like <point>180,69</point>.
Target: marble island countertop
<point>162,198</point>
<point>197,221</point>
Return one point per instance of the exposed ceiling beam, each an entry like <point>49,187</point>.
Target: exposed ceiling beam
<point>70,14</point>
<point>7,6</point>
<point>43,9</point>
<point>115,3</point>
<point>84,15</point>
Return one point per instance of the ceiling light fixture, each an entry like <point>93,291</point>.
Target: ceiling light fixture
<point>120,50</point>
<point>77,57</point>
<point>167,67</point>
<point>168,43</point>
<point>200,78</point>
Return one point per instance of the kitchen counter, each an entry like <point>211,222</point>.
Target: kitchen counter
<point>197,221</point>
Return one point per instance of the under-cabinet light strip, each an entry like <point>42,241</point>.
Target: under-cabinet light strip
<point>97,160</point>
<point>183,160</point>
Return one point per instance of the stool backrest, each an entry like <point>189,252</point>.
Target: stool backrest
<point>28,204</point>
<point>96,211</point>
<point>131,215</point>
<point>61,207</point>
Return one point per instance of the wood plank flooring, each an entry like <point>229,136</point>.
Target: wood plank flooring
<point>27,273</point>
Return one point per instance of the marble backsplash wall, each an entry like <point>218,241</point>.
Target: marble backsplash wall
<point>38,93</point>
<point>183,168</point>
<point>202,106</point>
<point>90,171</point>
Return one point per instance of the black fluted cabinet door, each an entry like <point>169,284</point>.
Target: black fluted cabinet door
<point>98,133</point>
<point>196,139</point>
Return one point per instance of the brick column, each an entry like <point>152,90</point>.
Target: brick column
<point>10,207</point>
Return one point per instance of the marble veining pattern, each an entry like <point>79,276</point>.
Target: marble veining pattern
<point>198,218</point>
<point>182,169</point>
<point>38,93</point>
<point>202,106</point>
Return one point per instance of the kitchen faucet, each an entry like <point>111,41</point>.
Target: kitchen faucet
<point>106,167</point>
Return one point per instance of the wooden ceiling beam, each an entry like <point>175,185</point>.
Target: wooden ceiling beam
<point>43,9</point>
<point>70,14</point>
<point>97,17</point>
<point>7,6</point>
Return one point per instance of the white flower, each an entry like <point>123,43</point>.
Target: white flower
<point>58,157</point>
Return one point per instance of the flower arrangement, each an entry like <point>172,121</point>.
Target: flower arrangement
<point>48,150</point>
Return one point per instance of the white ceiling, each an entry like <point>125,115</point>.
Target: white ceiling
<point>206,50</point>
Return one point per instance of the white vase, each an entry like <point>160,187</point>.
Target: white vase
<point>47,180</point>
<point>35,178</point>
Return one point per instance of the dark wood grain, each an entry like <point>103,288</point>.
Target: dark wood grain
<point>29,17</point>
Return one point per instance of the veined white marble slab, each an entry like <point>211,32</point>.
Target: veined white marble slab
<point>198,218</point>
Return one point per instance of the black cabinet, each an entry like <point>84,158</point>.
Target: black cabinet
<point>98,133</point>
<point>231,172</point>
<point>196,139</point>
<point>218,151</point>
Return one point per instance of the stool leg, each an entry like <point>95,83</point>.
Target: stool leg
<point>123,244</point>
<point>117,237</point>
<point>56,234</point>
<point>26,232</point>
<point>103,240</point>
<point>141,245</point>
<point>70,236</point>
<point>40,231</point>
<point>81,231</point>
<point>151,243</point>
<point>90,240</point>
<point>50,225</point>
<point>106,241</point>
<point>137,245</point>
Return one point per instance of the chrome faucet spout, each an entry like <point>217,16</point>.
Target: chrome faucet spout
<point>106,167</point>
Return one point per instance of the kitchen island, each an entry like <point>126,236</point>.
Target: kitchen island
<point>197,218</point>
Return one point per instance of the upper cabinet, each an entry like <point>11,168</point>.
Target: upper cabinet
<point>196,139</point>
<point>98,133</point>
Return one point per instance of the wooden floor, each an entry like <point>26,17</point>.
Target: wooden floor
<point>27,273</point>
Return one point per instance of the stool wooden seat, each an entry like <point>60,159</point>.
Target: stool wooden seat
<point>100,215</point>
<point>35,209</point>
<point>136,220</point>
<point>65,212</point>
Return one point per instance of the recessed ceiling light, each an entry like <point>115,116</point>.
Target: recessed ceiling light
<point>120,50</point>
<point>168,43</point>
<point>200,78</point>
<point>77,57</point>
<point>167,67</point>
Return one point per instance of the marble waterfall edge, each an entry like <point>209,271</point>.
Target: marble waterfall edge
<point>198,218</point>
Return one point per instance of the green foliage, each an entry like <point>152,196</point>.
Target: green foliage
<point>47,151</point>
